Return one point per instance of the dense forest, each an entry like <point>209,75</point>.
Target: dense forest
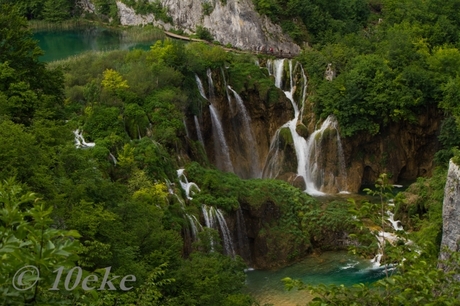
<point>116,200</point>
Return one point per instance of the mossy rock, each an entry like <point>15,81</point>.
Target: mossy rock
<point>302,130</point>
<point>286,137</point>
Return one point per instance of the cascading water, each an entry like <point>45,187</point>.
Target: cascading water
<point>248,136</point>
<point>243,241</point>
<point>211,84</point>
<point>198,130</point>
<point>80,141</point>
<point>223,160</point>
<point>186,129</point>
<point>221,151</point>
<point>186,185</point>
<point>214,218</point>
<point>308,152</point>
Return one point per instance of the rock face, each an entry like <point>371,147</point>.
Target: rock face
<point>451,212</point>
<point>86,6</point>
<point>236,23</point>
<point>265,119</point>
<point>403,150</point>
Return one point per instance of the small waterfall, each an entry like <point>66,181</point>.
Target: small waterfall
<point>396,224</point>
<point>185,184</point>
<point>226,91</point>
<point>272,166</point>
<point>195,225</point>
<point>80,141</point>
<point>211,84</point>
<point>227,238</point>
<point>198,130</point>
<point>221,151</point>
<point>243,241</point>
<point>186,129</point>
<point>315,178</point>
<point>200,87</point>
<point>215,219</point>
<point>114,160</point>
<point>248,136</point>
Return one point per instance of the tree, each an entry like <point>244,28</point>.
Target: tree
<point>26,239</point>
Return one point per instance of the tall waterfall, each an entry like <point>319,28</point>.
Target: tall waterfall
<point>214,218</point>
<point>309,153</point>
<point>221,151</point>
<point>248,137</point>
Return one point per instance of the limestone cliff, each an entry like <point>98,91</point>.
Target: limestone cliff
<point>236,23</point>
<point>451,211</point>
<point>403,150</point>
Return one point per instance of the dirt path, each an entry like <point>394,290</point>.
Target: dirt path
<point>263,51</point>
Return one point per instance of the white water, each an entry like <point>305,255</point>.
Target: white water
<point>80,141</point>
<point>308,152</point>
<point>186,185</point>
<point>220,144</point>
<point>200,87</point>
<point>396,224</point>
<point>211,84</point>
<point>198,130</point>
<point>113,158</point>
<point>249,136</point>
<point>221,150</point>
<point>214,218</point>
<point>186,129</point>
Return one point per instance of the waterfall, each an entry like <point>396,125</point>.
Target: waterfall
<point>221,151</point>
<point>243,241</point>
<point>211,84</point>
<point>396,224</point>
<point>249,138</point>
<point>185,184</point>
<point>200,87</point>
<point>195,225</point>
<point>214,218</point>
<point>308,152</point>
<point>186,129</point>
<point>80,141</point>
<point>114,160</point>
<point>272,166</point>
<point>198,130</point>
<point>315,178</point>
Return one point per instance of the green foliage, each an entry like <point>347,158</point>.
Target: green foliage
<point>422,283</point>
<point>203,33</point>
<point>209,279</point>
<point>144,7</point>
<point>207,8</point>
<point>28,239</point>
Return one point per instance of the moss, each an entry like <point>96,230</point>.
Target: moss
<point>302,130</point>
<point>286,137</point>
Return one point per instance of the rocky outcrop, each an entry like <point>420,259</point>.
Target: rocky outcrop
<point>86,6</point>
<point>451,213</point>
<point>266,118</point>
<point>403,150</point>
<point>235,23</point>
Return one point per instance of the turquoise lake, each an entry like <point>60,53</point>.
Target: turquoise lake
<point>60,44</point>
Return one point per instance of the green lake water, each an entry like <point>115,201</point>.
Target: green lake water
<point>327,268</point>
<point>60,44</point>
